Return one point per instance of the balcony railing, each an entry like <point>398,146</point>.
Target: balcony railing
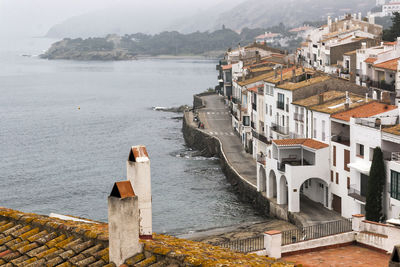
<point>395,156</point>
<point>280,129</point>
<point>280,105</point>
<point>260,137</point>
<point>299,117</point>
<point>261,159</point>
<point>382,85</point>
<point>341,140</point>
<point>281,166</point>
<point>355,193</point>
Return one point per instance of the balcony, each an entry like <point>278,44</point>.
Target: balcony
<point>260,137</point>
<point>261,159</point>
<point>341,140</point>
<point>279,129</point>
<point>356,194</point>
<point>382,85</point>
<point>280,105</point>
<point>299,117</point>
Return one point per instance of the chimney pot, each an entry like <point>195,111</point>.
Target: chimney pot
<point>123,223</point>
<point>138,173</point>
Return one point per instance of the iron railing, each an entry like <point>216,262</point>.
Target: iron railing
<point>356,194</point>
<point>395,156</point>
<point>280,129</point>
<point>299,117</point>
<point>244,245</point>
<point>280,105</point>
<point>260,137</point>
<point>316,231</point>
<point>281,166</point>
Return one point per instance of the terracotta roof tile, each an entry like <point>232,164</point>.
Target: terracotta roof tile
<point>363,111</point>
<point>371,60</point>
<point>311,143</point>
<point>389,65</point>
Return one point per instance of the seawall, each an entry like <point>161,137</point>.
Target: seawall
<point>211,146</point>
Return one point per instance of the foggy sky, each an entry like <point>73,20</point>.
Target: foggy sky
<point>20,18</point>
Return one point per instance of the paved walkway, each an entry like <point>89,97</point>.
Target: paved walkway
<point>218,122</point>
<point>345,256</point>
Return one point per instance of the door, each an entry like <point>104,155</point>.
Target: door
<point>337,203</point>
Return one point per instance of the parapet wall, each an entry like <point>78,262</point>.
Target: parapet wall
<point>211,146</point>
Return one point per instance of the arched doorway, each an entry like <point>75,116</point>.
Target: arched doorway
<point>272,188</point>
<point>263,179</point>
<point>314,192</point>
<point>283,190</point>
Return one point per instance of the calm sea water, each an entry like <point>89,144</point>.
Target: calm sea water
<point>66,128</point>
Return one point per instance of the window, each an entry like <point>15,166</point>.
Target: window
<point>348,182</point>
<point>266,108</point>
<point>360,150</point>
<point>283,120</point>
<point>301,130</point>
<point>346,159</point>
<point>270,110</point>
<point>287,104</point>
<point>334,155</point>
<point>296,128</point>
<point>395,185</point>
<point>323,130</point>
<point>281,101</point>
<point>337,178</point>
<point>332,176</point>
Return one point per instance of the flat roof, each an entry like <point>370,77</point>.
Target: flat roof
<point>314,100</point>
<point>287,74</point>
<point>293,86</point>
<point>337,104</point>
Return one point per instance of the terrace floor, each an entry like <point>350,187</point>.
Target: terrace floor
<point>344,256</point>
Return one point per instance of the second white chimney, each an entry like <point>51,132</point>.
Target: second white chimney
<point>138,172</point>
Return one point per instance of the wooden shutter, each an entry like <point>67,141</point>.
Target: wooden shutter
<point>346,159</point>
<point>334,155</point>
<point>337,178</point>
<point>348,182</point>
<point>332,176</point>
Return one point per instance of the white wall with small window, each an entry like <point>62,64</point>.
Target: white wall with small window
<point>320,126</point>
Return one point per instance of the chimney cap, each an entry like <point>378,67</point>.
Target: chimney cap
<point>122,190</point>
<point>138,154</point>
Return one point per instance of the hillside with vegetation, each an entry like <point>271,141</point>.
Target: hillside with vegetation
<point>131,46</point>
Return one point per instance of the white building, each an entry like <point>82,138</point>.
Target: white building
<point>391,7</point>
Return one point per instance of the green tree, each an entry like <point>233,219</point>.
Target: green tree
<point>376,181</point>
<point>393,32</point>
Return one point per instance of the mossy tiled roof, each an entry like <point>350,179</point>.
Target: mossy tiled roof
<point>28,239</point>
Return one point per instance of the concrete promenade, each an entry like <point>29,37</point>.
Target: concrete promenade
<point>218,123</point>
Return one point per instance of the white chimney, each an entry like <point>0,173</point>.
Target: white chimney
<point>336,19</point>
<point>329,21</point>
<point>371,19</point>
<point>366,97</point>
<point>374,95</point>
<point>123,223</point>
<point>138,173</point>
<point>363,45</point>
<point>359,16</point>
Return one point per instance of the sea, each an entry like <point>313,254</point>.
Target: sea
<point>66,128</point>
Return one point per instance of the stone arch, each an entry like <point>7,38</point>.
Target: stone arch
<point>263,179</point>
<point>316,190</point>
<point>271,188</point>
<point>282,190</point>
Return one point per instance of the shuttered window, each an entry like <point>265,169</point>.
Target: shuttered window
<point>332,176</point>
<point>346,159</point>
<point>337,178</point>
<point>334,155</point>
